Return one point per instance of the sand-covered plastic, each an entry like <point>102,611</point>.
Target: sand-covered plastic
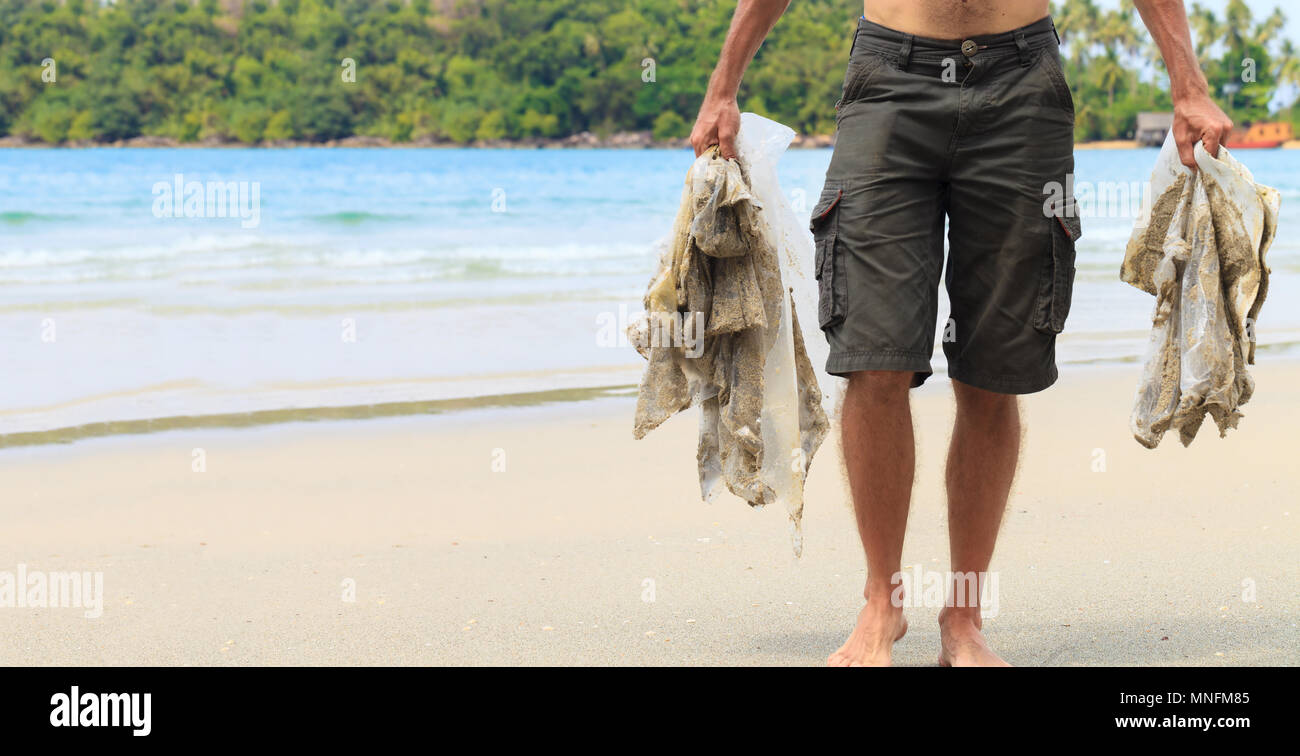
<point>721,329</point>
<point>1200,249</point>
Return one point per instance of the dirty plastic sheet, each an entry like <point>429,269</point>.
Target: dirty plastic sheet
<point>740,260</point>
<point>1199,248</point>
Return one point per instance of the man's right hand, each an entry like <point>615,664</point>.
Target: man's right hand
<point>718,123</point>
<point>1198,119</point>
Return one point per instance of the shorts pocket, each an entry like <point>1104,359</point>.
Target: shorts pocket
<point>1056,286</point>
<point>863,65</point>
<point>827,264</point>
<point>1051,59</point>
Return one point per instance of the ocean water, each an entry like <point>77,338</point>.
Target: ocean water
<point>373,277</point>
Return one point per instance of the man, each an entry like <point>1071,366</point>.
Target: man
<point>952,108</point>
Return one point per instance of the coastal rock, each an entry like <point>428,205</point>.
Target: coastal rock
<point>147,141</point>
<point>624,139</point>
<point>813,141</point>
<point>360,141</point>
<point>581,139</point>
<point>20,141</point>
<point>635,140</point>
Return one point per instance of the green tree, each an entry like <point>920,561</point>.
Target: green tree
<point>493,126</point>
<point>669,125</point>
<point>253,70</point>
<point>279,127</point>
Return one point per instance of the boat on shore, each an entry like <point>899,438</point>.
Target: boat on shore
<point>1258,136</point>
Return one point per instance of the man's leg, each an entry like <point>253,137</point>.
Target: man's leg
<point>879,231</point>
<point>981,465</point>
<point>880,456</point>
<point>1010,271</point>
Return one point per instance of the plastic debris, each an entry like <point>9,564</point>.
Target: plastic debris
<point>721,331</point>
<point>1199,249</point>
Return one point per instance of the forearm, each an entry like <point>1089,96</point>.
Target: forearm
<point>1167,22</point>
<point>749,27</point>
<point>1196,117</point>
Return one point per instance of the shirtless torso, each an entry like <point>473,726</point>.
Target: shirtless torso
<point>954,19</point>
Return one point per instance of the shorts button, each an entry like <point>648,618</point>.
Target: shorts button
<point>968,48</point>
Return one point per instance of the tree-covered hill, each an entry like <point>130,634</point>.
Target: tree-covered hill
<point>468,70</point>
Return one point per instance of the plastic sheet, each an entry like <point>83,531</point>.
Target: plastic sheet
<point>740,259</point>
<point>1199,248</point>
<point>760,145</point>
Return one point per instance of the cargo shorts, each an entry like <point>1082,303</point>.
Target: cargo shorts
<point>980,131</point>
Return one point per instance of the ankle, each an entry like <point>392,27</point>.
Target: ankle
<point>883,596</point>
<point>957,616</point>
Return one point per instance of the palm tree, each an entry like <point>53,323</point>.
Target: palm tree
<point>1206,29</point>
<point>1118,39</point>
<point>1116,31</point>
<point>1288,69</point>
<point>1110,73</point>
<point>1268,29</point>
<point>1075,23</point>
<point>1236,26</point>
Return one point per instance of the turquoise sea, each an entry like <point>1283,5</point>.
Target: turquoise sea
<point>380,276</point>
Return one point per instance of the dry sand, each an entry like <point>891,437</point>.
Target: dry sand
<point>547,562</point>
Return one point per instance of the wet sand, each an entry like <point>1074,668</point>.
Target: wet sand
<point>591,548</point>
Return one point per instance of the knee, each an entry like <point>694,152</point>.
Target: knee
<point>979,401</point>
<point>880,385</point>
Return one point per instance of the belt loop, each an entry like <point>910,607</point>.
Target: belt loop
<point>905,53</point>
<point>1022,47</point>
<point>857,29</point>
<point>1055,32</point>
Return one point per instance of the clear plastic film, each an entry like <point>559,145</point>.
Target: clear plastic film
<point>739,260</point>
<point>760,145</point>
<point>1199,247</point>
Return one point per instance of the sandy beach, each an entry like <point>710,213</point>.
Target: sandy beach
<point>1107,144</point>
<point>589,548</point>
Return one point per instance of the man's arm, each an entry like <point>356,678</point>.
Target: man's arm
<point>1196,117</point>
<point>719,118</point>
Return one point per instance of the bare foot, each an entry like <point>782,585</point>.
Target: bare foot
<point>880,624</point>
<point>962,644</point>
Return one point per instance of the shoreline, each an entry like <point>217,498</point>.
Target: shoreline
<point>1281,356</point>
<point>286,415</point>
<point>585,140</point>
<point>632,140</point>
<point>1109,144</point>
